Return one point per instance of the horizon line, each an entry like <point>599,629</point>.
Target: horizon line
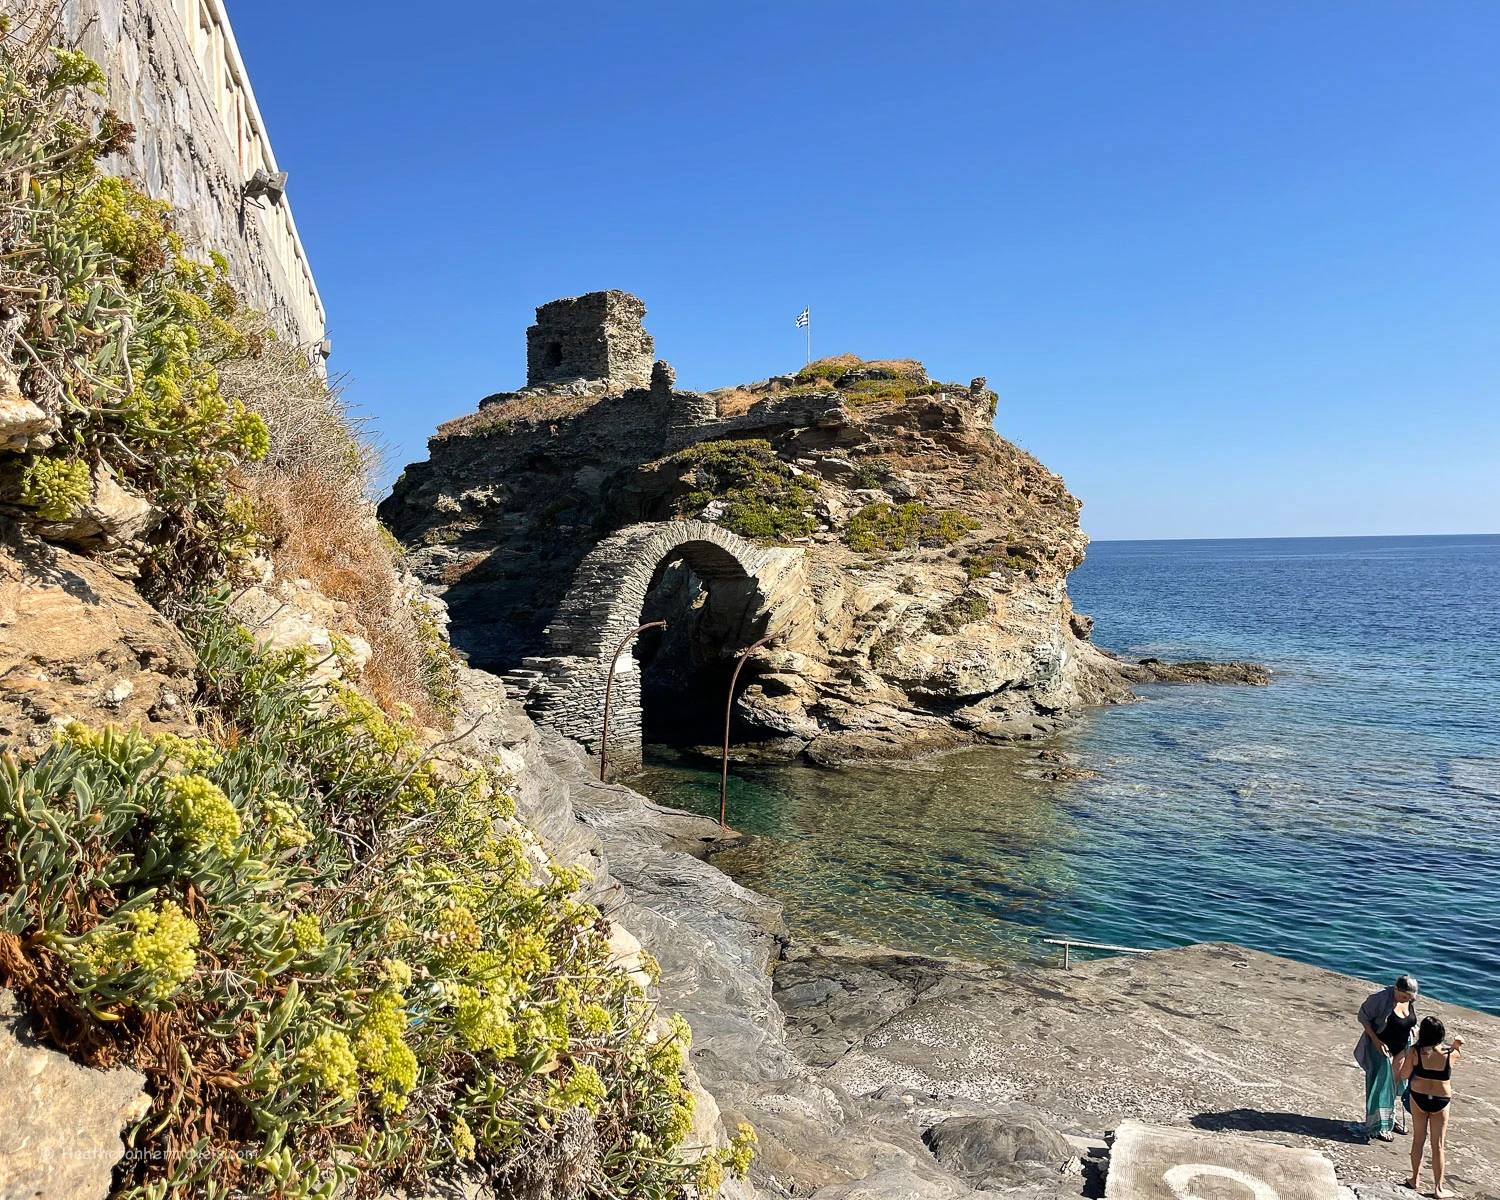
<point>1296,537</point>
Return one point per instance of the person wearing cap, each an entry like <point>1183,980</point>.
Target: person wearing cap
<point>1389,1019</point>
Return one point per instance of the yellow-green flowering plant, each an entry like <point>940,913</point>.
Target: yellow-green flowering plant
<point>113,331</point>
<point>407,984</point>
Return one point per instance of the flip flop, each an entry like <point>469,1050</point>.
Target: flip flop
<point>1387,1136</point>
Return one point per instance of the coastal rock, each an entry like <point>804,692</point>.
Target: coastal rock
<point>77,642</point>
<point>1179,1037</point>
<point>23,424</point>
<point>986,1149</point>
<point>928,607</point>
<point>112,516</point>
<point>1153,670</point>
<point>891,1184</point>
<point>60,1139</point>
<point>292,614</point>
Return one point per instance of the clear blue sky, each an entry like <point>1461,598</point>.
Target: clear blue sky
<point>1233,267</point>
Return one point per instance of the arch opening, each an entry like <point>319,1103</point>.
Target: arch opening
<point>719,593</point>
<point>685,669</point>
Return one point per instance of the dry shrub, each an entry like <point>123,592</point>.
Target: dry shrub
<point>519,410</point>
<point>736,401</point>
<point>905,368</point>
<point>312,500</point>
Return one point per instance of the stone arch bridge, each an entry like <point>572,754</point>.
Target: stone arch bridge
<point>757,590</point>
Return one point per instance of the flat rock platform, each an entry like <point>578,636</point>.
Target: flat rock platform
<point>1152,1162</point>
<point>1212,1038</point>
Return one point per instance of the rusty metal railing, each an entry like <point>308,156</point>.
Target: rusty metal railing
<point>728,715</point>
<point>609,688</point>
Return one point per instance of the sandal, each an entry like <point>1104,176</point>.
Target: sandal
<point>1386,1136</point>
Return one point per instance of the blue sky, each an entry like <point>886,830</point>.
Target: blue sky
<point>1233,267</point>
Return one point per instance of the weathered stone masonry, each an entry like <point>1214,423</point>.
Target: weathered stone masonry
<point>597,337</point>
<point>755,587</point>
<point>175,73</point>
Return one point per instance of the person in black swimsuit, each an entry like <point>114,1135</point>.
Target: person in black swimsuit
<point>1430,1068</point>
<point>1387,1018</point>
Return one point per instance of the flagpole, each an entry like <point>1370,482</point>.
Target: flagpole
<point>809,335</point>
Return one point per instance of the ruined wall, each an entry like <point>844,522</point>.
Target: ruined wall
<point>595,336</point>
<point>175,73</point>
<point>755,589</point>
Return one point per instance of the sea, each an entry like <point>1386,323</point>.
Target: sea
<point>1347,816</point>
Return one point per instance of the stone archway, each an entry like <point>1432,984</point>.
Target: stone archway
<point>565,689</point>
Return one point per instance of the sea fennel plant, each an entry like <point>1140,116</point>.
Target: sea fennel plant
<point>106,324</point>
<point>337,962</point>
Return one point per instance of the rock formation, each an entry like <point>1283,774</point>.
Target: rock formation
<point>928,606</point>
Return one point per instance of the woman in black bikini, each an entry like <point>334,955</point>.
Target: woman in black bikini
<point>1431,1072</point>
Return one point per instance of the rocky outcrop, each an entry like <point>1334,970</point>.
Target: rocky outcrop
<point>1153,670</point>
<point>77,642</point>
<point>60,1138</point>
<point>935,554</point>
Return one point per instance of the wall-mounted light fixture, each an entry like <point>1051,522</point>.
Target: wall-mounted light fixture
<point>265,186</point>
<point>325,348</point>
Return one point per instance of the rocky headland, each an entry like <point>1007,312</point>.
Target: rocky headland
<point>920,593</point>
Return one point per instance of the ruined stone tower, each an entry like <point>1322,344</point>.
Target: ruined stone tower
<point>597,336</point>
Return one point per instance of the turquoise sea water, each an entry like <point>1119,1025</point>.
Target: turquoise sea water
<point>1348,815</point>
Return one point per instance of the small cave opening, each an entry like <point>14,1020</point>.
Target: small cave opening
<point>686,668</point>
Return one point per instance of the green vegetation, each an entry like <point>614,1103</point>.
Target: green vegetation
<point>883,646</point>
<point>982,566</point>
<point>120,335</point>
<point>331,958</point>
<point>901,526</point>
<point>875,391</point>
<point>870,475</point>
<point>829,370</point>
<point>155,373</point>
<point>907,380</point>
<point>962,610</point>
<point>336,959</point>
<point>763,499</point>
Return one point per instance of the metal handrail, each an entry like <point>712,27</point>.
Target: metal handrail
<point>1068,943</point>
<point>728,715</point>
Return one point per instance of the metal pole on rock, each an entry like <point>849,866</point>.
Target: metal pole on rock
<point>609,687</point>
<point>729,713</point>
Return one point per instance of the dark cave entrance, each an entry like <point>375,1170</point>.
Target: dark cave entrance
<point>686,668</point>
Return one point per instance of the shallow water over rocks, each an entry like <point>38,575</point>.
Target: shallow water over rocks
<point>1347,816</point>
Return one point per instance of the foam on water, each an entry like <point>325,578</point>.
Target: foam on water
<point>1348,815</point>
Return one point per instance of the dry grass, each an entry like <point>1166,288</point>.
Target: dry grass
<point>905,368</point>
<point>312,502</point>
<point>737,401</point>
<point>522,410</point>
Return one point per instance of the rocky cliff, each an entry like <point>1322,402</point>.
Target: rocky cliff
<point>931,608</point>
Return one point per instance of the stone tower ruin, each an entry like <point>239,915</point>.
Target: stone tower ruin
<point>595,337</point>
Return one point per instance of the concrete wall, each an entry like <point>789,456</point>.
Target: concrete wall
<point>175,73</point>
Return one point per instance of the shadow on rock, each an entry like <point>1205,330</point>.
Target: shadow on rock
<point>1253,1120</point>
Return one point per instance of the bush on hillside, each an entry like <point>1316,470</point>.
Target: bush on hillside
<point>762,498</point>
<point>153,367</point>
<point>336,960</point>
<point>902,526</point>
<point>332,959</point>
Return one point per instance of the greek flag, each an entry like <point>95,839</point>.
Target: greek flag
<point>804,317</point>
